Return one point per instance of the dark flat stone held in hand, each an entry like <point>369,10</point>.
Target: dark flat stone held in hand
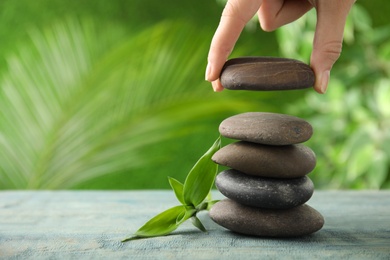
<point>299,221</point>
<point>270,193</point>
<point>266,73</point>
<point>285,161</point>
<point>266,128</point>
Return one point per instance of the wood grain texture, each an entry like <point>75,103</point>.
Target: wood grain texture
<point>90,225</point>
<point>266,73</point>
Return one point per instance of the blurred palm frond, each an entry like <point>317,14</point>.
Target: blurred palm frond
<point>76,104</point>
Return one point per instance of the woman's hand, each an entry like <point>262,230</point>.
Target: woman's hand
<point>327,44</point>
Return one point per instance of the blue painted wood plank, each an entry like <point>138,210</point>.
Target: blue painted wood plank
<point>90,225</point>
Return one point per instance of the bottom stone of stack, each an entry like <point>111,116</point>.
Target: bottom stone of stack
<point>298,221</point>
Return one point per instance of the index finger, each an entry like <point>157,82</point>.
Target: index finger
<point>234,17</point>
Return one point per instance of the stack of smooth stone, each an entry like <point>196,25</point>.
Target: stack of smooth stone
<point>267,184</point>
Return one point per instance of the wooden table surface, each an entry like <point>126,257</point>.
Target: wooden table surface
<point>91,224</point>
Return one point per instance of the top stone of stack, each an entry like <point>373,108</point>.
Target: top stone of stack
<point>266,128</point>
<point>266,73</point>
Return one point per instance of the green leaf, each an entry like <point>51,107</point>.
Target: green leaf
<point>359,162</point>
<point>196,222</point>
<point>377,172</point>
<point>177,187</point>
<point>197,188</point>
<point>206,205</point>
<point>201,177</point>
<point>209,196</point>
<point>162,224</point>
<point>190,211</point>
<point>55,133</point>
<point>210,204</point>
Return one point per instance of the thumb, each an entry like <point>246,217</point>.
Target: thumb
<point>328,38</point>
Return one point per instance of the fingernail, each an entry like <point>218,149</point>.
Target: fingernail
<point>214,85</point>
<point>324,81</point>
<point>208,71</point>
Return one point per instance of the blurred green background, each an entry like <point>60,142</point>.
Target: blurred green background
<point>111,94</point>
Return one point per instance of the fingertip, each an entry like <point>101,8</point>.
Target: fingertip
<point>318,91</point>
<point>234,17</point>
<point>213,70</point>
<point>217,86</point>
<point>208,72</point>
<point>322,81</point>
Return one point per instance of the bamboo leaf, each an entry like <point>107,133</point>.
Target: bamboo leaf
<point>210,204</point>
<point>199,182</point>
<point>200,179</point>
<point>190,211</point>
<point>162,224</point>
<point>197,223</point>
<point>177,187</point>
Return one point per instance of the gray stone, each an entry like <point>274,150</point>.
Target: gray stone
<point>266,73</point>
<point>298,221</point>
<point>266,128</point>
<point>287,161</point>
<point>264,192</point>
